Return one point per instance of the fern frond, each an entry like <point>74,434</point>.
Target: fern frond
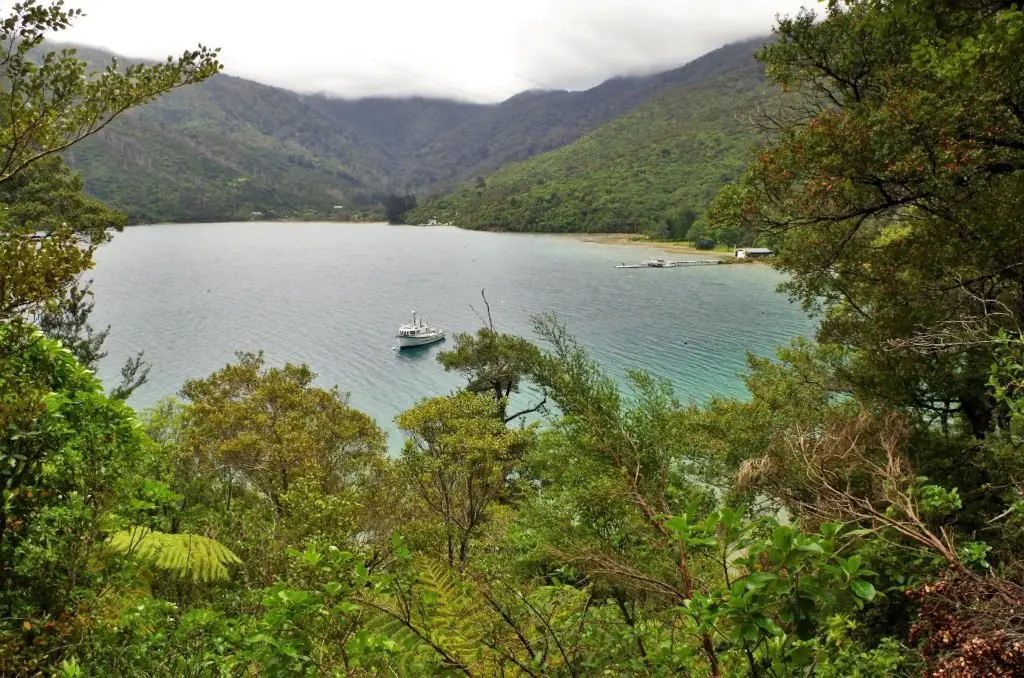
<point>408,646</point>
<point>458,620</point>
<point>188,556</point>
<point>436,577</point>
<point>445,621</point>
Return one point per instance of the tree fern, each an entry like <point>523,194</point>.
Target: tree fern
<point>188,556</point>
<point>409,652</point>
<point>457,614</point>
<point>439,619</point>
<point>493,634</point>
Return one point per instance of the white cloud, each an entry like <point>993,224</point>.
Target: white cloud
<point>484,50</point>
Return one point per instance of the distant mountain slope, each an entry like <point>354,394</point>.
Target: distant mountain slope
<point>666,156</point>
<point>156,172</point>
<point>538,121</point>
<point>230,147</point>
<point>401,127</point>
<point>223,149</point>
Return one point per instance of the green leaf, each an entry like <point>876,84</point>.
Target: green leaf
<point>802,655</point>
<point>770,626</point>
<point>863,589</point>
<point>399,547</point>
<point>678,524</point>
<point>810,547</point>
<point>759,579</point>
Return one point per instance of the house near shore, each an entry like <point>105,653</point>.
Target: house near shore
<point>36,236</point>
<point>752,252</point>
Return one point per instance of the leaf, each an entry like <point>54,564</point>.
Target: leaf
<point>802,655</point>
<point>863,589</point>
<point>830,530</point>
<point>398,544</point>
<point>678,524</point>
<point>810,547</point>
<point>759,579</point>
<point>770,626</point>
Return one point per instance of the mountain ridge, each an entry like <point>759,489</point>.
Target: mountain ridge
<point>231,147</point>
<point>653,169</point>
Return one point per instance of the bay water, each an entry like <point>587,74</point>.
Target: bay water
<point>333,295</point>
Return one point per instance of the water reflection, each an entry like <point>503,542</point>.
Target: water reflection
<point>420,353</point>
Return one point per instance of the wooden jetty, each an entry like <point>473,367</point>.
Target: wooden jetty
<point>661,263</point>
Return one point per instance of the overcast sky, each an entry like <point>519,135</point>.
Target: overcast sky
<point>480,50</point>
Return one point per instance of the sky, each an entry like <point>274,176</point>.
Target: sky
<point>475,50</point>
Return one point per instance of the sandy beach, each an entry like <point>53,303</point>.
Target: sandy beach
<point>641,241</point>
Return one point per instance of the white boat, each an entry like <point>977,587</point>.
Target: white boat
<point>418,333</point>
<point>657,263</point>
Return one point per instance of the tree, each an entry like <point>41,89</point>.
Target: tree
<point>52,103</point>
<point>680,222</point>
<point>47,194</point>
<point>494,363</point>
<point>44,196</point>
<point>397,206</point>
<point>458,455</point>
<point>270,427</point>
<point>71,456</point>
<point>892,189</point>
<point>614,471</point>
<point>69,460</point>
<point>49,102</point>
<point>67,320</point>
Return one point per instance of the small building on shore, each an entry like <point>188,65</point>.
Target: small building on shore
<point>752,252</point>
<point>35,236</point>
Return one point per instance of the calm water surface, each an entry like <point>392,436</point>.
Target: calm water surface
<point>333,295</point>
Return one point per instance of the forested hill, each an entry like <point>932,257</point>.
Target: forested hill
<point>655,168</point>
<point>534,122</point>
<point>230,147</point>
<point>224,149</point>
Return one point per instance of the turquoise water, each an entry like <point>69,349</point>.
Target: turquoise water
<point>333,295</point>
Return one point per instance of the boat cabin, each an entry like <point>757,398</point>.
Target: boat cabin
<point>753,252</point>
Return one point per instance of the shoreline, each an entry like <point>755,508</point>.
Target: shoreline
<point>639,241</point>
<point>627,239</point>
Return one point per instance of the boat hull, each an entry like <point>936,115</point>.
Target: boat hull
<point>410,342</point>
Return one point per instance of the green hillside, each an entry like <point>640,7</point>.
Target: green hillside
<point>224,149</point>
<point>231,147</point>
<point>535,122</point>
<point>155,173</point>
<point>653,164</point>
